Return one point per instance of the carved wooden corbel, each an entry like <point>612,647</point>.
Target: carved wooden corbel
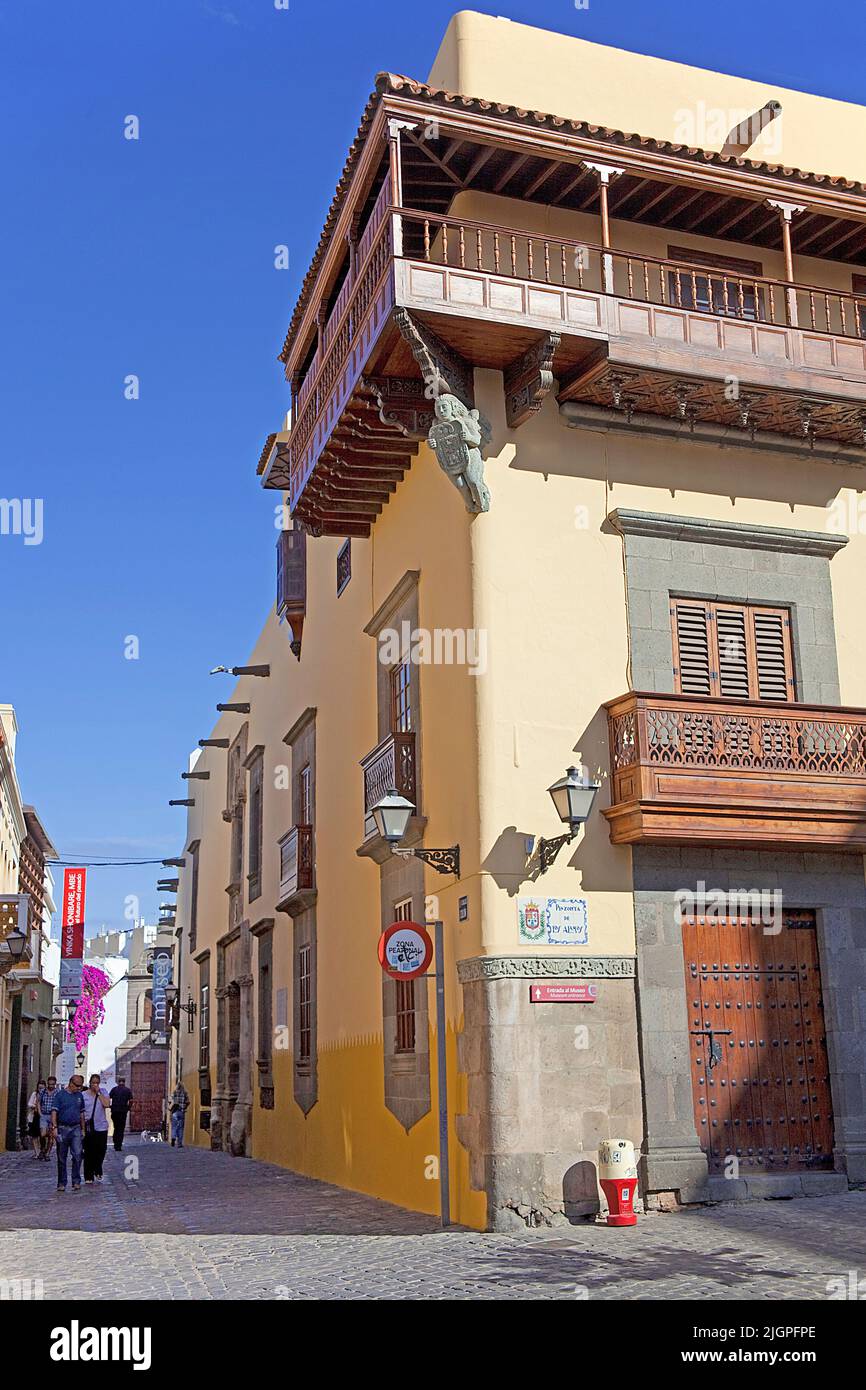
<point>529,379</point>
<point>402,404</point>
<point>445,372</point>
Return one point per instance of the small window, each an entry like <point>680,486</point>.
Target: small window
<point>736,651</point>
<point>344,566</point>
<point>266,1030</point>
<point>204,1027</point>
<point>725,285</point>
<point>193,895</point>
<point>255,840</point>
<point>858,284</point>
<point>305,1001</point>
<point>305,796</point>
<point>401,699</point>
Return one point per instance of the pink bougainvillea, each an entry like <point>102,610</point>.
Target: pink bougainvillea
<point>90,1010</point>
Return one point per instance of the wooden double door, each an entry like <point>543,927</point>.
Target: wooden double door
<point>760,1075</point>
<point>148,1082</point>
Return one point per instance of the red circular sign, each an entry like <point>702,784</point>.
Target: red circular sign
<point>405,950</point>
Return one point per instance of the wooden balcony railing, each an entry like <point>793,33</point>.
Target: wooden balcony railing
<point>558,261</point>
<point>391,764</point>
<point>523,277</point>
<point>756,772</point>
<point>297,866</point>
<point>318,392</point>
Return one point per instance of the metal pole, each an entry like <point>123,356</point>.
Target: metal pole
<point>442,1076</point>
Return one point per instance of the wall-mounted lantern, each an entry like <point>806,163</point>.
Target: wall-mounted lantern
<point>391,816</point>
<point>573,796</point>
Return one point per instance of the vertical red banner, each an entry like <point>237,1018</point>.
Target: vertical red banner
<point>72,920</point>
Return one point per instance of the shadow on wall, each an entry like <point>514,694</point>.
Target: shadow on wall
<point>640,460</point>
<point>512,866</point>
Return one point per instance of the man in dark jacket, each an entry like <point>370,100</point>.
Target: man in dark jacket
<point>120,1097</point>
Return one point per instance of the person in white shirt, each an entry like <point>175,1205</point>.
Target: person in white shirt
<point>96,1105</point>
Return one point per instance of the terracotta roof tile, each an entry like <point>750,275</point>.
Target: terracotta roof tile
<point>388,82</point>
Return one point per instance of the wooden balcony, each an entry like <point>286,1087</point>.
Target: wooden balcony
<point>297,871</point>
<point>754,773</point>
<point>390,765</point>
<point>627,337</point>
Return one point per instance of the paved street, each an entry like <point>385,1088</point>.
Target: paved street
<point>206,1226</point>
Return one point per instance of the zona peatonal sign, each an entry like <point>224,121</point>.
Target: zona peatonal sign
<point>405,950</point>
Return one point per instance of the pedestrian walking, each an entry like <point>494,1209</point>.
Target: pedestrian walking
<point>121,1098</point>
<point>67,1125</point>
<point>46,1102</point>
<point>33,1131</point>
<point>179,1103</point>
<point>96,1105</point>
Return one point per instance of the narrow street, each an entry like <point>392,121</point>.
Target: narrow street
<point>199,1225</point>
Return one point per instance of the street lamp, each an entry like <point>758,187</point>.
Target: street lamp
<point>12,948</point>
<point>391,816</point>
<point>175,1007</point>
<point>573,796</point>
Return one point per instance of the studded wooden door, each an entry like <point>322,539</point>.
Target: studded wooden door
<point>147,1082</point>
<point>760,1076</point>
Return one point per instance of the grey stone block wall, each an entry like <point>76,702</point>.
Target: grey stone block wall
<point>541,1095</point>
<point>832,885</point>
<point>669,555</point>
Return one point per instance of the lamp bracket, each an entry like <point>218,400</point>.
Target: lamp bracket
<point>549,849</point>
<point>444,861</point>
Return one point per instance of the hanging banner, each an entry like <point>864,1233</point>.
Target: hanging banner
<point>160,1026</point>
<point>72,933</point>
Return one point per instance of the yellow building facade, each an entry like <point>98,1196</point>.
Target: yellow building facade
<point>570,478</point>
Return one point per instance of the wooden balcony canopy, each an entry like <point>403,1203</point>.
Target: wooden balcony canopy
<point>359,407</point>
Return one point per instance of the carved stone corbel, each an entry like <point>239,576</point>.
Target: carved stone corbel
<point>457,437</point>
<point>445,372</point>
<point>529,379</point>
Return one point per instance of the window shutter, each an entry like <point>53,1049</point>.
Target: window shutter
<point>693,671</point>
<point>733,653</point>
<point>736,651</point>
<point>773,654</point>
<point>292,571</point>
<point>292,582</point>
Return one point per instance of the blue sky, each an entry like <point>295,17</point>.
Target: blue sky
<point>155,257</point>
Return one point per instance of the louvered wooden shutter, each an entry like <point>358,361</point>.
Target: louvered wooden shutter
<point>733,648</point>
<point>738,651</point>
<point>773,654</point>
<point>693,669</point>
<point>292,571</point>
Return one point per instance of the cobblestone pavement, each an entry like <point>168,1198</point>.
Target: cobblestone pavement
<point>201,1225</point>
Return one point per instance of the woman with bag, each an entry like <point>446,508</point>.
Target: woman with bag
<point>33,1130</point>
<point>96,1105</point>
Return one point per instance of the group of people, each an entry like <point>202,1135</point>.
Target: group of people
<point>75,1120</point>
